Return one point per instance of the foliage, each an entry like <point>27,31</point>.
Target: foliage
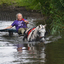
<point>54,9</point>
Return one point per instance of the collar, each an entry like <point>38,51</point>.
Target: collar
<point>20,20</point>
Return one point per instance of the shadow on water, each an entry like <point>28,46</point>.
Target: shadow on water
<point>55,52</point>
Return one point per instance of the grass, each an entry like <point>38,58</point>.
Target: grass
<point>26,3</point>
<point>15,2</point>
<point>7,1</point>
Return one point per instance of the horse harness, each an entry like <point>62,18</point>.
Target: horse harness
<point>29,31</point>
<point>32,33</point>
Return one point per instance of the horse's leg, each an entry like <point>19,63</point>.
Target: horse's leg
<point>25,37</point>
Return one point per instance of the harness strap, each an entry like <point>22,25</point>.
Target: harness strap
<point>42,37</point>
<point>30,31</point>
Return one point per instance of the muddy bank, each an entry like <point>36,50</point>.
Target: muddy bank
<point>9,12</point>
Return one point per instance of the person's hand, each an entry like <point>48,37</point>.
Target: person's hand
<point>23,19</point>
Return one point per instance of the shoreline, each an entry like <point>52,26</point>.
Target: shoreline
<point>9,12</point>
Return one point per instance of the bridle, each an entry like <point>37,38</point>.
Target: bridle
<point>39,35</point>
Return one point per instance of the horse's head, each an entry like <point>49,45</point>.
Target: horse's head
<point>41,32</point>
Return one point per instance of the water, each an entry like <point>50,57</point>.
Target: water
<point>14,51</point>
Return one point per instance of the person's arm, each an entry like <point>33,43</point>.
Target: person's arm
<point>13,24</point>
<point>27,22</point>
<point>9,27</point>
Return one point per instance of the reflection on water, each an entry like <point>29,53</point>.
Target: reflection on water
<point>14,51</point>
<point>22,53</point>
<point>28,53</point>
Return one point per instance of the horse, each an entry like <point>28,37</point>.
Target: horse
<point>35,34</point>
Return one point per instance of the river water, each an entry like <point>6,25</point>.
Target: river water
<point>14,51</point>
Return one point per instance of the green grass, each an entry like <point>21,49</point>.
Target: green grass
<point>8,1</point>
<point>26,3</point>
<point>15,2</point>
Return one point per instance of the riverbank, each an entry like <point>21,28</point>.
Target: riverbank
<point>9,12</point>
